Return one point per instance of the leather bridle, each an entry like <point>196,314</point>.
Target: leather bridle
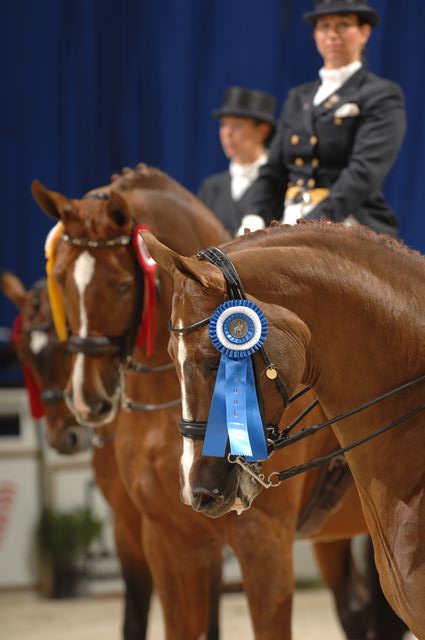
<point>235,290</point>
<point>109,345</point>
<point>51,395</point>
<point>277,439</point>
<point>118,345</point>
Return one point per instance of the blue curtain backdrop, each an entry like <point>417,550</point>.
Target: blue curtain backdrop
<point>90,86</point>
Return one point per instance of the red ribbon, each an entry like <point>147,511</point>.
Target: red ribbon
<point>33,390</point>
<point>148,322</point>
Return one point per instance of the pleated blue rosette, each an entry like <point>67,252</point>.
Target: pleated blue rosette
<point>237,330</point>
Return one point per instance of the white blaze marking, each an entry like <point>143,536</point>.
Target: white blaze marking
<point>181,358</point>
<point>187,457</point>
<point>83,273</point>
<point>186,462</point>
<point>39,340</point>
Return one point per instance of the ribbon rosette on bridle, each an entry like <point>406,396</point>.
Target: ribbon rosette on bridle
<point>237,329</point>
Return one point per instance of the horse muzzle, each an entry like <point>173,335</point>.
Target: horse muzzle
<point>72,439</point>
<point>213,486</point>
<point>95,411</point>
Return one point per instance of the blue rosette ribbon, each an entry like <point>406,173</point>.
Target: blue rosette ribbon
<point>237,330</point>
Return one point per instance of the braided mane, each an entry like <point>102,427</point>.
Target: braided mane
<point>323,234</point>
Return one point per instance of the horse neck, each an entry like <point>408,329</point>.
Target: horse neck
<point>359,321</point>
<point>183,223</point>
<point>185,228</point>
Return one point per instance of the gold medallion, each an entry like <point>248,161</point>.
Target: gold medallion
<point>271,372</point>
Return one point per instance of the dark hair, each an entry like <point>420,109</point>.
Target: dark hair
<point>361,18</point>
<point>257,121</point>
<point>269,138</point>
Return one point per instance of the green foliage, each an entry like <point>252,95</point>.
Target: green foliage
<point>64,536</point>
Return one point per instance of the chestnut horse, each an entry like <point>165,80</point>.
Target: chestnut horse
<point>345,314</point>
<point>147,443</point>
<point>46,362</point>
<point>184,554</point>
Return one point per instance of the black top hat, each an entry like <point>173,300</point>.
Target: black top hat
<point>326,7</point>
<point>248,103</point>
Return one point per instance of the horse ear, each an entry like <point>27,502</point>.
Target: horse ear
<point>204,273</point>
<point>118,210</point>
<point>13,288</point>
<point>54,204</point>
<point>163,255</point>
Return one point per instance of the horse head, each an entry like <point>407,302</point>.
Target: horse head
<point>103,278</point>
<point>86,272</point>
<point>46,363</point>
<point>212,484</point>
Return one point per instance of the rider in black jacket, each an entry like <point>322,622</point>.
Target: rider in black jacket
<point>337,137</point>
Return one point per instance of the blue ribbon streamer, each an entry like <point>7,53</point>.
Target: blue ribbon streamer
<point>234,413</point>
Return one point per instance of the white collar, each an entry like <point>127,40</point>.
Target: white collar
<point>243,175</point>
<point>246,170</point>
<point>340,75</point>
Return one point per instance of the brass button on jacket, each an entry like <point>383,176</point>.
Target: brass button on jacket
<point>295,139</point>
<point>313,140</point>
<point>299,162</point>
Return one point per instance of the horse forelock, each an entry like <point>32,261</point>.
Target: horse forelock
<point>90,220</point>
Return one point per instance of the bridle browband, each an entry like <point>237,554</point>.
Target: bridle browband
<point>280,439</point>
<point>79,241</point>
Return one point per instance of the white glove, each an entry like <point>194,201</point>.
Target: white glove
<point>252,222</point>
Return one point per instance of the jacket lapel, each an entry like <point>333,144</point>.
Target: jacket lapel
<point>341,95</point>
<point>307,107</point>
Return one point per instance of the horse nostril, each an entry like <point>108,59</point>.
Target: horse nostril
<point>100,407</point>
<point>71,441</point>
<point>105,407</point>
<point>204,498</point>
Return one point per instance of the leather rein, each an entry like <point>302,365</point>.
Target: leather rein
<point>277,439</point>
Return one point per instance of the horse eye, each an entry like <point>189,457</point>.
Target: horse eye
<point>124,287</point>
<point>119,217</point>
<point>212,364</point>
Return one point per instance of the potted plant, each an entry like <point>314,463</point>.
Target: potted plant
<point>64,538</point>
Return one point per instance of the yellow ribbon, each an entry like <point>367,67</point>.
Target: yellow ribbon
<point>53,290</point>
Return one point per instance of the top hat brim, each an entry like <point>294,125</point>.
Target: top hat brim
<point>244,113</point>
<point>371,16</point>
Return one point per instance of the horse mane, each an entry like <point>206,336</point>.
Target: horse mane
<point>148,178</point>
<point>334,236</point>
<point>154,196</point>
